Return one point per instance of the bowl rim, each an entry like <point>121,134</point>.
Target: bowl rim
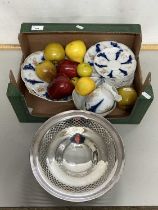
<point>34,159</point>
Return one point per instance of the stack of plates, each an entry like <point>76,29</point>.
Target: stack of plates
<point>113,61</point>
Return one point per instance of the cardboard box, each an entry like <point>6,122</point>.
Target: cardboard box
<point>34,37</point>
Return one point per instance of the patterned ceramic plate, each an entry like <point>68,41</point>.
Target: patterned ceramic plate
<point>114,81</point>
<point>34,84</point>
<point>115,64</point>
<point>93,50</point>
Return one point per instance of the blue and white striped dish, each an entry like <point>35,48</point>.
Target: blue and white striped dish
<point>93,50</point>
<point>115,64</point>
<point>34,84</point>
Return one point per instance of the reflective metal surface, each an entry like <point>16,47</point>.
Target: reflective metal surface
<point>77,156</point>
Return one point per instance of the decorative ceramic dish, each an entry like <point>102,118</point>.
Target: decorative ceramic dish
<point>34,84</point>
<point>101,101</point>
<point>116,64</point>
<point>93,50</point>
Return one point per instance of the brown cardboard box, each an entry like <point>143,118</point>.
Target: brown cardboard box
<point>32,41</point>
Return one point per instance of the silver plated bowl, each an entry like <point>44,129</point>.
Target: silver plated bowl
<point>77,156</point>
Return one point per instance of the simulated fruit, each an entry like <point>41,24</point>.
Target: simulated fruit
<point>46,71</point>
<point>85,86</point>
<point>54,52</point>
<point>60,87</point>
<point>76,50</point>
<point>74,80</point>
<point>129,96</point>
<point>68,68</point>
<point>84,70</point>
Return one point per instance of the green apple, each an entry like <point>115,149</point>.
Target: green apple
<point>84,70</point>
<point>46,71</point>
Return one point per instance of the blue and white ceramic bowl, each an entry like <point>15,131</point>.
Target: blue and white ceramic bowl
<point>93,50</point>
<point>101,101</point>
<point>34,84</point>
<point>116,65</point>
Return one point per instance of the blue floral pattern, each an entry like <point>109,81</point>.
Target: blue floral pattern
<point>34,84</point>
<point>114,63</point>
<point>124,74</point>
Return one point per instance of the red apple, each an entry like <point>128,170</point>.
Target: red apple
<point>68,68</point>
<point>60,87</point>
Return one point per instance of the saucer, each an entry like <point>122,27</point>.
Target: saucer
<point>93,50</point>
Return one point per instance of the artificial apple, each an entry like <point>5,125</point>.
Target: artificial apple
<point>46,71</point>
<point>54,52</point>
<point>60,87</point>
<point>84,70</point>
<point>129,97</point>
<point>67,67</point>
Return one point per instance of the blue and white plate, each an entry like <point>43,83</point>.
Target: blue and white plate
<point>93,50</point>
<point>34,84</point>
<point>116,65</point>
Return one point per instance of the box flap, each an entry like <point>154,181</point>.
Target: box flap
<point>147,81</point>
<point>71,27</point>
<point>35,36</point>
<point>12,78</point>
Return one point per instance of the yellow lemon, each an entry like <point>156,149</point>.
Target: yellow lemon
<point>85,86</point>
<point>46,71</point>
<point>76,50</point>
<point>54,52</point>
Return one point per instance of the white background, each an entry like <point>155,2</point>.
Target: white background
<point>14,12</point>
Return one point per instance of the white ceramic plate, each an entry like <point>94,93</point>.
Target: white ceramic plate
<point>115,64</point>
<point>93,50</point>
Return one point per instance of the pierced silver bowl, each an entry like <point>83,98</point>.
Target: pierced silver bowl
<point>77,156</point>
